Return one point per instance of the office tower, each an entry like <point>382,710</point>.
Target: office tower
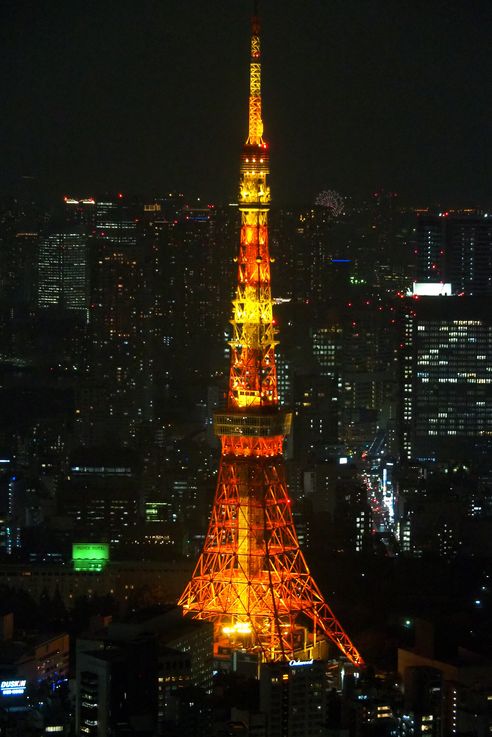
<point>446,695</point>
<point>63,271</point>
<point>80,212</point>
<point>327,347</point>
<point>115,220</point>
<point>445,378</point>
<point>115,396</point>
<point>316,412</point>
<point>101,495</point>
<point>383,214</point>
<point>19,229</point>
<point>294,698</point>
<point>251,578</point>
<point>286,231</point>
<point>185,256</point>
<point>18,261</point>
<point>369,369</point>
<point>117,688</point>
<point>430,247</point>
<point>157,650</point>
<point>456,247</point>
<point>189,263</point>
<point>341,518</point>
<point>18,268</point>
<point>310,251</point>
<point>284,379</point>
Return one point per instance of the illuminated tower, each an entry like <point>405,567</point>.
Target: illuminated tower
<point>251,578</point>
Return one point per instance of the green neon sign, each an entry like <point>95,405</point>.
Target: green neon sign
<point>90,556</point>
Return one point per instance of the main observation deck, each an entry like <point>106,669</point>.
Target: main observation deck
<point>252,424</point>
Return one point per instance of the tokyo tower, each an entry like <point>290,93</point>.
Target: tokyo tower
<point>251,578</point>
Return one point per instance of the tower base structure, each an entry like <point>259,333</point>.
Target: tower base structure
<point>252,579</point>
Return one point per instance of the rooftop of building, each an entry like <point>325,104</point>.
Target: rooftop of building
<point>165,621</point>
<point>104,459</point>
<point>14,650</point>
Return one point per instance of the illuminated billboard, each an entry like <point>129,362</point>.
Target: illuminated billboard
<point>431,289</point>
<point>300,663</point>
<point>90,556</point>
<point>13,688</point>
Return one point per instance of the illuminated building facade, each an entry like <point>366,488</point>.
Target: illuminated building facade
<point>252,579</point>
<point>327,343</point>
<point>446,378</point>
<point>63,271</point>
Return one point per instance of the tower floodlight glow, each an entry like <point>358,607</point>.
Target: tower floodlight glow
<point>251,578</point>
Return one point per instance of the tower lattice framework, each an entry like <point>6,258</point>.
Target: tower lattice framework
<point>251,578</point>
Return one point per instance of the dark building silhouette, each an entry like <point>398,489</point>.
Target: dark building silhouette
<point>456,247</point>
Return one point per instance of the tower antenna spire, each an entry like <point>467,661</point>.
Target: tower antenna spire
<point>255,129</point>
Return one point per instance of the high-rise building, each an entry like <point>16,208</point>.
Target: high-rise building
<point>155,649</point>
<point>115,220</point>
<point>327,345</point>
<point>115,396</point>
<point>456,247</point>
<point>18,271</point>
<point>316,414</point>
<point>369,369</point>
<point>294,698</point>
<point>186,250</point>
<point>19,234</point>
<point>101,495</point>
<point>447,696</point>
<point>117,688</point>
<point>446,378</point>
<point>80,212</point>
<point>63,271</point>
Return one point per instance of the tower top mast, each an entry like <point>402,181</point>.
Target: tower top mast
<point>255,131</point>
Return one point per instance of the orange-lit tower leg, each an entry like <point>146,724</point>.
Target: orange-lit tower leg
<point>251,578</point>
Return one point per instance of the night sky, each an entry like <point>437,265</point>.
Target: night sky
<point>151,95</point>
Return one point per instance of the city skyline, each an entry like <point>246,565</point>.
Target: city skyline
<point>332,423</point>
<point>357,95</point>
